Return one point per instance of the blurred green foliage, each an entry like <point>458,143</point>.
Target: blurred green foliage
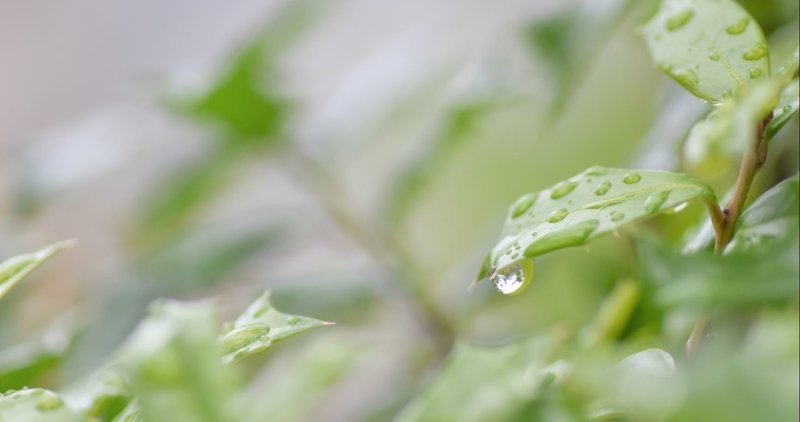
<point>383,239</point>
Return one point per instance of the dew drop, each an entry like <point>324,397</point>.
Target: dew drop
<point>523,204</point>
<point>602,188</point>
<point>687,78</point>
<point>293,319</point>
<point>569,236</point>
<point>557,215</point>
<point>787,108</point>
<point>617,215</point>
<point>755,53</point>
<point>49,403</point>
<point>739,26</point>
<point>679,19</point>
<point>713,56</point>
<point>654,202</point>
<point>563,189</point>
<point>631,178</point>
<point>513,278</point>
<point>596,171</point>
<point>755,72</point>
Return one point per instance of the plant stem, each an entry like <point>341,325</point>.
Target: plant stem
<point>725,224</point>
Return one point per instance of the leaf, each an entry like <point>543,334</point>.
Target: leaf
<point>713,48</point>
<point>14,269</point>
<point>704,281</point>
<point>613,315</point>
<point>577,210</point>
<point>34,405</point>
<point>174,367</point>
<point>104,396</point>
<point>787,107</point>
<point>259,327</point>
<point>771,218</point>
<point>487,384</point>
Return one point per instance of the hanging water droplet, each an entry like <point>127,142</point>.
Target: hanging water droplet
<point>596,171</point>
<point>513,278</point>
<point>523,204</point>
<point>617,215</point>
<point>569,236</point>
<point>755,72</point>
<point>49,402</point>
<point>678,20</point>
<point>602,188</point>
<point>687,78</point>
<point>755,53</point>
<point>631,178</point>
<point>654,202</point>
<point>563,189</point>
<point>739,26</point>
<point>557,215</point>
<point>713,56</point>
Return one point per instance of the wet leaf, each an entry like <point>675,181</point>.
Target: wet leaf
<point>771,218</point>
<point>595,202</point>
<point>259,327</point>
<point>713,48</point>
<point>35,405</point>
<point>787,107</point>
<point>14,269</point>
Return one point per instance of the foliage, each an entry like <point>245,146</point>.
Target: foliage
<point>688,313</point>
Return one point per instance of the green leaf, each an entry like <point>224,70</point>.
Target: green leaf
<point>577,210</point>
<point>104,396</point>
<point>174,366</point>
<point>14,269</point>
<point>488,384</point>
<point>787,107</point>
<point>34,405</point>
<point>259,327</point>
<point>773,217</point>
<point>713,48</point>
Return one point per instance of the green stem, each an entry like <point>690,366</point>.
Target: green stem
<point>725,221</point>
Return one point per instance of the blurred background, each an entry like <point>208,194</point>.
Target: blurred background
<point>355,157</point>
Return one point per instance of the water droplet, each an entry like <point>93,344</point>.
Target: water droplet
<point>755,72</point>
<point>739,26</point>
<point>49,402</point>
<point>787,108</point>
<point>602,188</point>
<point>557,215</point>
<point>727,94</point>
<point>755,53</point>
<point>609,202</point>
<point>679,19</point>
<point>293,319</point>
<point>563,189</point>
<point>513,278</point>
<point>654,202</point>
<point>713,56</point>
<point>631,178</point>
<point>569,236</point>
<point>596,171</point>
<point>686,77</point>
<point>241,337</point>
<point>534,234</point>
<point>523,204</point>
<point>617,215</point>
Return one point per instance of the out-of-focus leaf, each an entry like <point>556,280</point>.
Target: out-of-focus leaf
<point>773,217</point>
<point>131,413</point>
<point>174,366</point>
<point>704,281</point>
<point>787,107</point>
<point>104,396</point>
<point>771,14</point>
<point>488,383</point>
<point>35,405</point>
<point>569,40</point>
<point>26,363</point>
<point>730,129</point>
<point>613,315</point>
<point>304,381</point>
<point>713,48</point>
<point>581,208</point>
<point>259,327</point>
<point>14,269</point>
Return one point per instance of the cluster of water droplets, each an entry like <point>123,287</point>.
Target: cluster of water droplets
<point>45,400</point>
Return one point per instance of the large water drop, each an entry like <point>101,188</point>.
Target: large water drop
<point>513,279</point>
<point>563,189</point>
<point>631,178</point>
